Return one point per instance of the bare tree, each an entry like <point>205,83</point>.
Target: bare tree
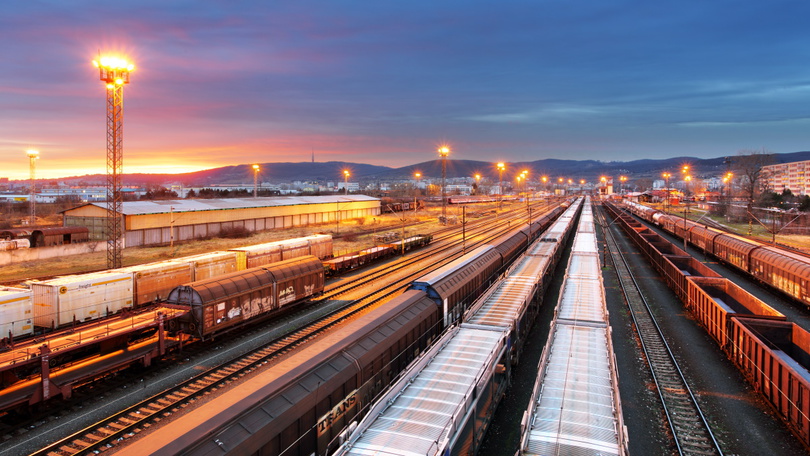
<point>748,165</point>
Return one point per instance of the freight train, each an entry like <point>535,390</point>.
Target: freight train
<point>450,394</point>
<point>343,263</point>
<point>786,271</point>
<point>304,404</point>
<point>576,392</point>
<point>73,299</point>
<point>771,352</point>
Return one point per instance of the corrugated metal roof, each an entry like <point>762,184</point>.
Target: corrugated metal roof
<point>574,412</point>
<point>584,243</point>
<point>422,417</point>
<point>504,305</point>
<point>192,205</point>
<point>584,265</point>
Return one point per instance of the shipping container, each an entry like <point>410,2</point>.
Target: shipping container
<point>16,313</point>
<point>63,300</point>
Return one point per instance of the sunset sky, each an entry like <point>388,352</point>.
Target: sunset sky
<point>385,82</point>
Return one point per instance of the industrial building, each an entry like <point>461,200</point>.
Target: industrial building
<point>162,221</point>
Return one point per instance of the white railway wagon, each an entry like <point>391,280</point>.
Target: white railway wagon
<point>16,314</point>
<point>575,406</point>
<point>153,281</point>
<point>320,245</point>
<point>252,256</point>
<point>212,264</point>
<point>441,405</point>
<point>60,301</point>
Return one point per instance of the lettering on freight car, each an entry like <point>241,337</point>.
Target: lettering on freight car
<point>337,412</point>
<point>286,295</point>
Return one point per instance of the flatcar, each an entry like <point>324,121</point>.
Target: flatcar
<point>224,302</point>
<point>785,271</point>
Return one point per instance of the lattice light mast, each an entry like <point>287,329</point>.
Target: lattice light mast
<point>114,72</point>
<point>33,155</point>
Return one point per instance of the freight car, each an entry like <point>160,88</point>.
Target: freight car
<point>471,363</point>
<point>74,299</point>
<point>348,262</point>
<point>575,406</point>
<point>772,353</point>
<point>221,303</point>
<point>785,271</point>
<point>16,319</point>
<point>47,236</point>
<point>302,404</point>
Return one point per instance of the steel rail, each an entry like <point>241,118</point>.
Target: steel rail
<point>690,429</point>
<point>121,425</point>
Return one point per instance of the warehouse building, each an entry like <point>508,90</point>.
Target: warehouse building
<point>160,222</point>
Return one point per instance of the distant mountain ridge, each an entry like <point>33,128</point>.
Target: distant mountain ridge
<point>333,171</point>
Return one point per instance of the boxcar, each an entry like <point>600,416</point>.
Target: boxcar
<point>457,284</point>
<point>223,302</point>
<point>64,300</point>
<point>733,250</point>
<point>154,281</point>
<point>301,404</point>
<point>16,318</point>
<point>207,265</point>
<point>782,271</point>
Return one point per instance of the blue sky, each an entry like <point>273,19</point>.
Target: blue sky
<point>223,83</point>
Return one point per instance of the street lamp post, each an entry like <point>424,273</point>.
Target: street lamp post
<point>444,151</point>
<point>416,192</point>
<point>346,175</point>
<point>622,180</point>
<point>477,183</point>
<point>33,155</point>
<point>666,177</point>
<point>727,183</point>
<point>501,166</point>
<point>686,179</point>
<point>255,181</point>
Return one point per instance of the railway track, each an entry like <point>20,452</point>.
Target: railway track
<point>132,420</point>
<point>690,429</point>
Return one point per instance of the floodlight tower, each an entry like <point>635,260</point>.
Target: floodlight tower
<point>33,155</point>
<point>114,72</point>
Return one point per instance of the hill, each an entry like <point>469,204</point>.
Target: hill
<point>333,171</point>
